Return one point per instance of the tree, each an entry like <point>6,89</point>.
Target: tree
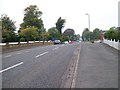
<point>96,33</point>
<point>60,24</point>
<point>8,28</point>
<point>32,18</point>
<point>0,23</point>
<point>41,31</point>
<point>113,33</point>
<point>29,33</point>
<point>69,33</point>
<point>53,33</point>
<point>118,33</point>
<point>45,36</point>
<point>85,34</point>
<point>91,36</point>
<point>7,23</point>
<point>78,36</point>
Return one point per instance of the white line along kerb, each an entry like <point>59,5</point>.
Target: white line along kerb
<point>41,54</point>
<point>11,67</point>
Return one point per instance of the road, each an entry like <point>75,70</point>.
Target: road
<point>98,66</point>
<point>38,67</point>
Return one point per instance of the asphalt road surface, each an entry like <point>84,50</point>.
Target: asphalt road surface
<point>98,66</point>
<point>39,67</point>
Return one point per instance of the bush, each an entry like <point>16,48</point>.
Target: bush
<point>22,40</point>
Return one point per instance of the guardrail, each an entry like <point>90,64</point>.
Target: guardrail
<point>111,43</point>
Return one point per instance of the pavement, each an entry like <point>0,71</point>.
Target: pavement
<point>38,67</point>
<point>98,66</point>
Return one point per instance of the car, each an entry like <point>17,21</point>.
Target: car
<point>57,42</point>
<point>71,42</point>
<point>66,42</point>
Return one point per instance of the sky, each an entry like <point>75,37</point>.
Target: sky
<point>103,13</point>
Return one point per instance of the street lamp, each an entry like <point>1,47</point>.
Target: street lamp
<point>88,23</point>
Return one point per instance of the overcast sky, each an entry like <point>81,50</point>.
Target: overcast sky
<point>103,13</point>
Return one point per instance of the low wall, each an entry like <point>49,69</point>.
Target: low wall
<point>111,43</point>
<point>11,45</point>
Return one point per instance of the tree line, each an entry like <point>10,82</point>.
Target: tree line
<point>32,28</point>
<point>112,34</point>
<point>89,35</point>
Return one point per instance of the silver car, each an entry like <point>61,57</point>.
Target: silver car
<point>57,42</point>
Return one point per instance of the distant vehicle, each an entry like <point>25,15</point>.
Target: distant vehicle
<point>57,42</point>
<point>66,42</point>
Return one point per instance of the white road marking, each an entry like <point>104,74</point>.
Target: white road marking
<point>11,67</point>
<point>55,48</point>
<point>75,72</point>
<point>41,54</point>
<point>18,53</point>
<point>26,51</point>
<point>62,45</point>
<point>7,56</point>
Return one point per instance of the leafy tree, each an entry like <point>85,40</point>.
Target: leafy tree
<point>0,23</point>
<point>53,33</point>
<point>96,33</point>
<point>29,33</point>
<point>32,18</point>
<point>60,24</point>
<point>63,38</point>
<point>118,34</point>
<point>85,34</point>
<point>41,31</point>
<point>113,33</point>
<point>45,36</point>
<point>77,37</point>
<point>7,23</point>
<point>22,40</point>
<point>92,36</point>
<point>70,34</point>
<point>8,28</point>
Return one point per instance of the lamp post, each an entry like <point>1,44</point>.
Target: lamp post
<point>88,23</point>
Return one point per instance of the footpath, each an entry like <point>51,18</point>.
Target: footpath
<point>97,67</point>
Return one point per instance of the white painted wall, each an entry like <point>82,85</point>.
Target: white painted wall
<point>111,43</point>
<point>13,43</point>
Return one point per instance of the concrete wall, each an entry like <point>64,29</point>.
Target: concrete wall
<point>111,43</point>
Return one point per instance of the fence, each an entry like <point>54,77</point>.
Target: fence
<point>111,43</point>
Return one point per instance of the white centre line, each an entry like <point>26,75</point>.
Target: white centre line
<point>7,56</point>
<point>41,54</point>
<point>55,48</point>
<point>11,67</point>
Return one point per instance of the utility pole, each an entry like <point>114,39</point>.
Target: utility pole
<point>88,23</point>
